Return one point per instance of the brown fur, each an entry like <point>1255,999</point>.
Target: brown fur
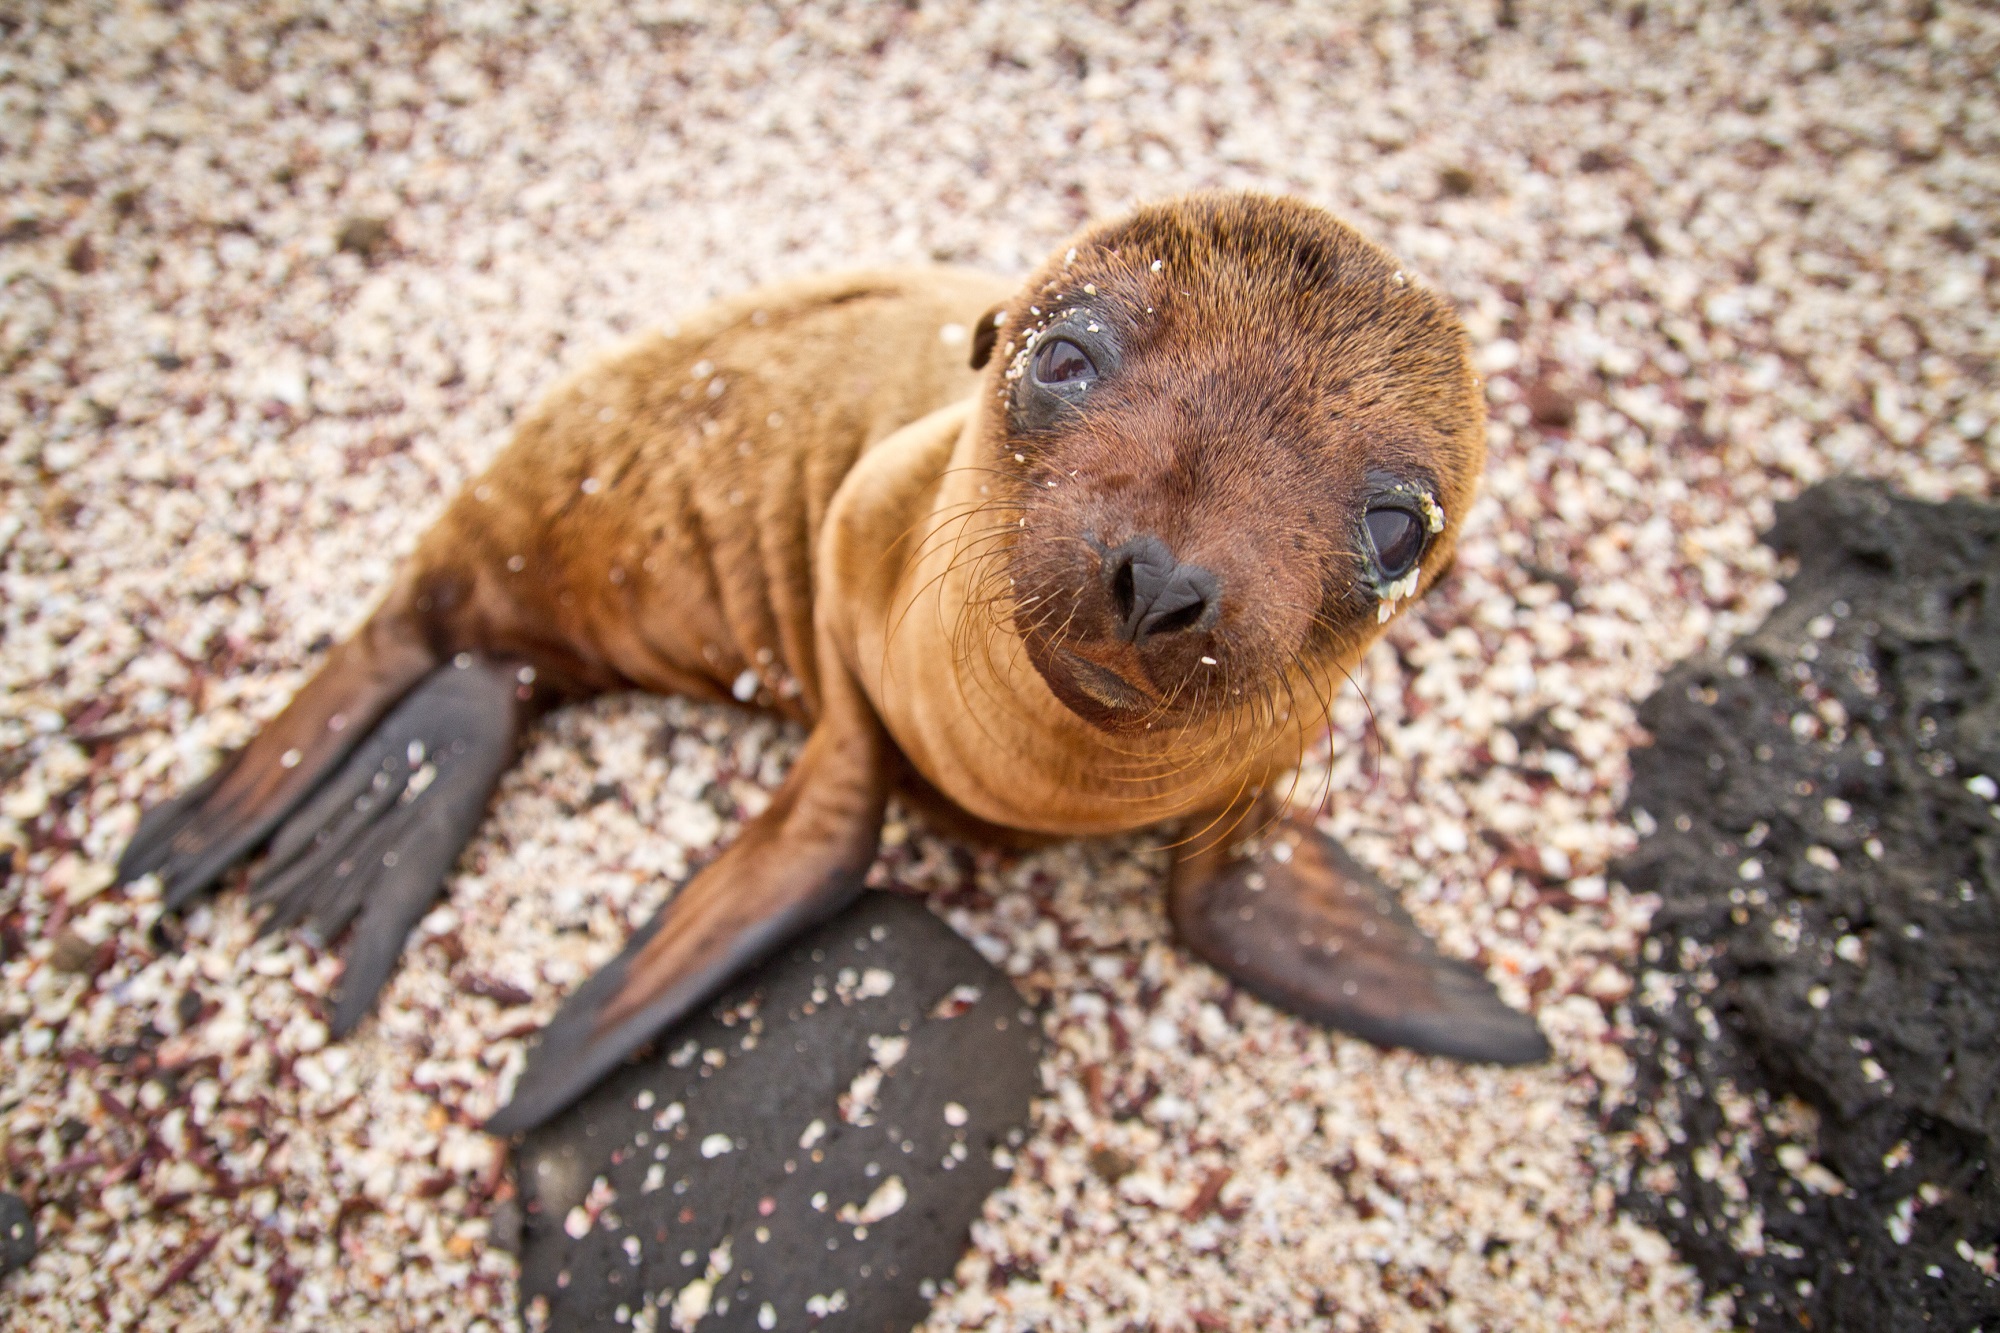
<point>653,521</point>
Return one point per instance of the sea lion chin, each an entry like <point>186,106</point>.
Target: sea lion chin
<point>1091,562</point>
<point>1111,697</point>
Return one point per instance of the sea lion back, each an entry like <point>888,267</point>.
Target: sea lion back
<point>654,519</point>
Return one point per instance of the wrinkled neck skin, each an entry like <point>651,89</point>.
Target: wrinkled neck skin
<point>913,594</point>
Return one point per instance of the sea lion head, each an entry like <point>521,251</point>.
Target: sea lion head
<point>1230,438</point>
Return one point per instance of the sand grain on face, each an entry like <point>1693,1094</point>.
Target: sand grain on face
<point>272,286</point>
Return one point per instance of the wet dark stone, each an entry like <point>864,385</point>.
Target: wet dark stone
<point>1457,182</point>
<point>1827,853</point>
<point>71,952</point>
<point>1111,1165</point>
<point>971,1057</point>
<point>17,1234</point>
<point>1640,228</point>
<point>363,236</point>
<point>1550,404</point>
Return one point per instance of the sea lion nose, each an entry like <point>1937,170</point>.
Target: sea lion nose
<point>1152,593</point>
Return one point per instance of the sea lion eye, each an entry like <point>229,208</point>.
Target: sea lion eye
<point>1398,538</point>
<point>1060,361</point>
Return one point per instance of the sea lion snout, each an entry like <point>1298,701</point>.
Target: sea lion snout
<point>1152,593</point>
<point>1150,601</point>
<point>1151,619</point>
<point>1128,631</point>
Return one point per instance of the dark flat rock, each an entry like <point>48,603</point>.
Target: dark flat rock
<point>17,1233</point>
<point>1826,959</point>
<point>748,1168</point>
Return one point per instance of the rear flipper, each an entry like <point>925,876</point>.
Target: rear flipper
<point>799,862</point>
<point>191,840</point>
<point>374,843</point>
<point>1307,927</point>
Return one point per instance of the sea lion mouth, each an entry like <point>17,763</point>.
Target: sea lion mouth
<point>1107,687</point>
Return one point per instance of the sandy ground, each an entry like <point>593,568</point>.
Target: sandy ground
<point>1707,258</point>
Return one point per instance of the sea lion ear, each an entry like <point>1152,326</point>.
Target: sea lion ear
<point>985,334</point>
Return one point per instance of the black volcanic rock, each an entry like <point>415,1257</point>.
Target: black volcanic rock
<point>1818,1036</point>
<point>810,1151</point>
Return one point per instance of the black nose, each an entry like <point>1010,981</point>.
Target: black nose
<point>1153,593</point>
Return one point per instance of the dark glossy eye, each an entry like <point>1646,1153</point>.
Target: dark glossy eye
<point>1399,539</point>
<point>1060,361</point>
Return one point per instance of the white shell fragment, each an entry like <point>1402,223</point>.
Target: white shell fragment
<point>889,1051</point>
<point>887,1200</point>
<point>956,1001</point>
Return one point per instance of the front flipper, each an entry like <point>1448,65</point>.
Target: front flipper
<point>799,862</point>
<point>1307,927</point>
<point>374,844</point>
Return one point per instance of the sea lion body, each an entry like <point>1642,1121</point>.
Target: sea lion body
<point>654,520</point>
<point>1091,561</point>
<point>669,517</point>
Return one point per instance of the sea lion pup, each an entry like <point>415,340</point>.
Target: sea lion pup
<point>1110,582</point>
